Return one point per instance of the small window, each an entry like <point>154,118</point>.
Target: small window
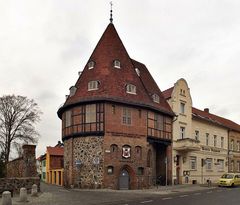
<point>127,116</point>
<point>196,135</point>
<point>131,89</point>
<point>215,140</point>
<point>140,171</point>
<point>113,109</point>
<point>207,139</point>
<point>156,98</point>
<point>93,85</point>
<point>182,132</point>
<point>114,148</point>
<point>182,108</point>
<point>208,163</point>
<point>91,65</point>
<point>137,71</point>
<point>110,170</point>
<point>222,142</point>
<point>116,64</point>
<point>68,120</point>
<point>90,115</point>
<point>193,163</point>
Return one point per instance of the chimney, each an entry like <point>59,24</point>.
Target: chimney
<point>206,110</point>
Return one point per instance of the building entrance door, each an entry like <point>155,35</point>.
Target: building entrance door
<point>124,179</point>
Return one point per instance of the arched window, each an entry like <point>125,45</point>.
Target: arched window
<point>138,152</point>
<point>116,64</point>
<point>93,85</point>
<point>114,148</point>
<point>149,158</point>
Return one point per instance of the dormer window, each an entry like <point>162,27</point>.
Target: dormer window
<point>73,90</point>
<point>93,85</point>
<point>91,65</point>
<point>131,89</point>
<point>116,64</point>
<point>156,98</point>
<point>137,71</point>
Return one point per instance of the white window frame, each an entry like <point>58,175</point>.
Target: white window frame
<point>182,108</point>
<point>215,140</point>
<point>91,65</point>
<point>93,85</point>
<point>131,89</point>
<point>193,163</point>
<point>90,114</point>
<point>220,164</point>
<point>209,162</point>
<point>126,116</point>
<point>117,64</point>
<point>156,98</point>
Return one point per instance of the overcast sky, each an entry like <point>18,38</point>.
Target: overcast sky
<point>45,43</point>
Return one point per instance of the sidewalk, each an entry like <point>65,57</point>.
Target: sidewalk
<point>58,195</point>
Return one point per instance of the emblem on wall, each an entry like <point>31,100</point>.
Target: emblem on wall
<point>126,152</point>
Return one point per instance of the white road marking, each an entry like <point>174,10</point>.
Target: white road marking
<point>197,193</point>
<point>209,192</point>
<point>183,196</point>
<point>167,198</point>
<point>144,202</point>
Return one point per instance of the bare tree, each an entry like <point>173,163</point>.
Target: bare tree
<point>18,115</point>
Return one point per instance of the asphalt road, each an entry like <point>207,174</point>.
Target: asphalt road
<point>218,196</point>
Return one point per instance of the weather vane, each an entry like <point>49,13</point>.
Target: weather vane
<point>111,19</point>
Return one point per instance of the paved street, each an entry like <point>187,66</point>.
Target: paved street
<point>181,194</point>
<point>218,196</point>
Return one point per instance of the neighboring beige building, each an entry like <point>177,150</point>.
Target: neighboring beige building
<point>234,151</point>
<point>200,139</point>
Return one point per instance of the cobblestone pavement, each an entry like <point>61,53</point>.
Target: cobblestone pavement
<point>51,194</point>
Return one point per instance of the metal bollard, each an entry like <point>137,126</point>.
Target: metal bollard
<point>34,191</point>
<point>6,198</point>
<point>23,195</point>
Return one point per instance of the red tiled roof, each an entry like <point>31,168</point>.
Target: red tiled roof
<point>215,119</point>
<point>168,93</point>
<point>57,151</point>
<point>113,81</point>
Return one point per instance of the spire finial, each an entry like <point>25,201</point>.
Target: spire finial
<point>111,19</point>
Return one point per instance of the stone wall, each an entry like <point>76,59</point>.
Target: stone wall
<point>15,168</point>
<point>14,184</point>
<point>83,165</point>
<point>24,166</point>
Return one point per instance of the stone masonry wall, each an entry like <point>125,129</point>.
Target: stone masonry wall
<point>86,172</point>
<point>14,184</point>
<point>15,168</point>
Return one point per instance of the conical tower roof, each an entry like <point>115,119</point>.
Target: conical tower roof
<point>113,81</point>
